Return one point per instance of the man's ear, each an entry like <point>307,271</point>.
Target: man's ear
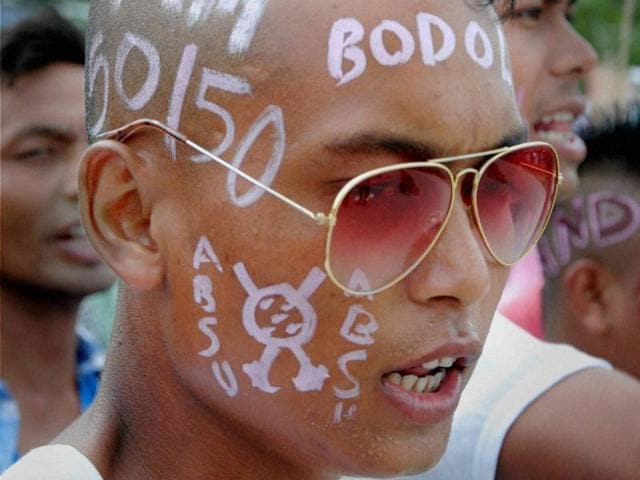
<point>116,215</point>
<point>586,285</point>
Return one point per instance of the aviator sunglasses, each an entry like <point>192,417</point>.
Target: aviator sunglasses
<point>384,222</point>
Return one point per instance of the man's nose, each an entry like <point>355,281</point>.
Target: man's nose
<point>457,267</point>
<point>576,57</point>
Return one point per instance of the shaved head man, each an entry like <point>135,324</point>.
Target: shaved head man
<point>263,339</point>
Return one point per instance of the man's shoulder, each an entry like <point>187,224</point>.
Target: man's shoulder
<point>53,462</point>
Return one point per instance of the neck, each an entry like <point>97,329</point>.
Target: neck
<point>38,341</point>
<point>145,410</point>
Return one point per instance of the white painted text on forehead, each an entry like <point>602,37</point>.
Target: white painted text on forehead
<point>347,41</point>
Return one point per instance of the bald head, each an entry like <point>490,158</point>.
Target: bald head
<point>203,55</point>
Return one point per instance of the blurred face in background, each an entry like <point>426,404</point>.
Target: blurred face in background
<point>43,136</point>
<point>549,60</point>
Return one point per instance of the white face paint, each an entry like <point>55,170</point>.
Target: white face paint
<point>271,116</point>
<point>359,326</point>
<point>340,413</point>
<point>506,72</point>
<point>150,85</point>
<point>203,293</point>
<point>431,56</point>
<point>359,283</point>
<point>183,78</point>
<point>298,329</point>
<point>204,254</point>
<point>98,63</point>
<point>354,391</point>
<point>380,52</point>
<point>474,33</point>
<point>347,33</point>
<point>228,83</point>
<point>203,296</point>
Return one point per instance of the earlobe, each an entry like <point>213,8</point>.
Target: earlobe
<point>585,283</point>
<point>115,215</point>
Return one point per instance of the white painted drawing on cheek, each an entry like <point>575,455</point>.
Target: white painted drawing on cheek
<point>271,116</point>
<point>354,356</point>
<point>339,412</point>
<point>345,34</point>
<point>148,88</point>
<point>506,72</point>
<point>228,83</point>
<point>98,63</point>
<point>205,325</point>
<point>429,54</point>
<point>359,283</point>
<point>200,10</point>
<point>471,36</point>
<point>298,329</point>
<point>204,254</point>
<point>183,78</point>
<point>115,5</point>
<point>203,296</point>
<point>225,377</point>
<point>173,6</point>
<point>380,52</point>
<point>246,25</point>
<point>359,326</point>
<point>203,293</point>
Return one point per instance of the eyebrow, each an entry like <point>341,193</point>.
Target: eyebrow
<point>409,149</point>
<point>48,131</point>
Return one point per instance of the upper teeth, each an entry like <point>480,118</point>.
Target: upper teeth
<point>413,383</point>
<point>559,117</point>
<point>445,362</point>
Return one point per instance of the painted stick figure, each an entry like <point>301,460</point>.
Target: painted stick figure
<point>297,329</point>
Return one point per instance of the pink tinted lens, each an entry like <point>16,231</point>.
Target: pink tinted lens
<point>386,223</point>
<point>514,198</point>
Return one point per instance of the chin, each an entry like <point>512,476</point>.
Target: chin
<point>399,458</point>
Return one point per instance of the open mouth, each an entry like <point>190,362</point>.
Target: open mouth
<point>557,127</point>
<point>425,378</point>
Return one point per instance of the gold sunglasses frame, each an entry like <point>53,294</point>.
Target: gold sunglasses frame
<point>329,220</point>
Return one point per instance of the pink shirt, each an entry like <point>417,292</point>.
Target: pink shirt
<point>521,300</point>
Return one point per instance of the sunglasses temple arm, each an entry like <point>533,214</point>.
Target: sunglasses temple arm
<point>318,217</point>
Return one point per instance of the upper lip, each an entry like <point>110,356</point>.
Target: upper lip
<point>468,350</point>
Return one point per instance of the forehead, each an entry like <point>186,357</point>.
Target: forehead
<point>52,95</point>
<point>424,68</point>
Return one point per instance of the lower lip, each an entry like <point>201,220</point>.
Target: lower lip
<point>78,250</point>
<point>426,408</point>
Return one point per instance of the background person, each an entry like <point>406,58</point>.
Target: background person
<point>50,370</point>
<point>220,277</point>
<point>592,270</point>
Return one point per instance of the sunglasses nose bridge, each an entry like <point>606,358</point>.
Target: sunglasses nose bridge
<point>465,180</point>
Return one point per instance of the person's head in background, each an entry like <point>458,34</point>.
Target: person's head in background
<point>45,254</point>
<point>549,61</point>
<point>590,249</point>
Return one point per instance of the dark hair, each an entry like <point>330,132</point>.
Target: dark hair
<point>613,142</point>
<point>39,41</point>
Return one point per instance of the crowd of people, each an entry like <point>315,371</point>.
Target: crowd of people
<point>340,259</point>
